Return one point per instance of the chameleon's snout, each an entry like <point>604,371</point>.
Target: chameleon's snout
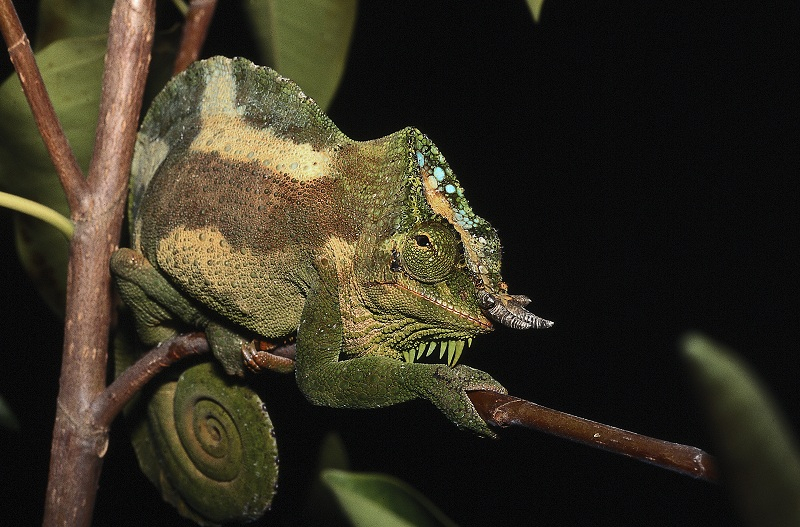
<point>510,311</point>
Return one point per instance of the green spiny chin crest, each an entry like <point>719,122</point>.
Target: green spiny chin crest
<point>425,316</point>
<point>453,349</point>
<point>450,321</point>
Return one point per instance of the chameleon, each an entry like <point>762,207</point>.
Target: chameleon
<point>254,218</point>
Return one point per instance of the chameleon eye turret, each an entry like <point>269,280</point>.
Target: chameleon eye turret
<point>429,253</point>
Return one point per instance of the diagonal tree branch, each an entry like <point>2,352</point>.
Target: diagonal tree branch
<point>110,403</point>
<point>57,144</point>
<point>504,410</point>
<point>495,408</point>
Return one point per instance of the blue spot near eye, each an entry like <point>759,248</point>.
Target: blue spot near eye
<point>420,159</point>
<point>438,173</point>
<point>449,189</point>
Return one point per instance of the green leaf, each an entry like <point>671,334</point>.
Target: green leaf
<point>758,456</point>
<point>7,418</point>
<point>536,8</point>
<point>305,40</point>
<point>321,507</point>
<point>332,454</point>
<point>72,71</point>
<point>60,19</point>
<point>378,499</point>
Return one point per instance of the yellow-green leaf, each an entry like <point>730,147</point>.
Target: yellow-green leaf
<point>536,8</point>
<point>758,456</point>
<point>378,499</point>
<point>305,40</point>
<point>72,72</point>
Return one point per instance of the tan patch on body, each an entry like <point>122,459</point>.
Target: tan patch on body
<point>257,291</point>
<point>232,139</point>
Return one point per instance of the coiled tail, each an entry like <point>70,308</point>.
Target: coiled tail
<point>208,444</point>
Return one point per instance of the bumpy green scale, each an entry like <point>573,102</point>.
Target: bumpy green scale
<point>253,217</point>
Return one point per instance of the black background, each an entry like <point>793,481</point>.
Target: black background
<point>640,164</point>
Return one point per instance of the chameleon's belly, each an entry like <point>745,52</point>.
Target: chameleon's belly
<point>238,237</point>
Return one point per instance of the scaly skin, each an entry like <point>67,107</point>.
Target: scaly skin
<point>253,216</point>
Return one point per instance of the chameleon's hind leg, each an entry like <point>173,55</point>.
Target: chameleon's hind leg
<point>161,312</point>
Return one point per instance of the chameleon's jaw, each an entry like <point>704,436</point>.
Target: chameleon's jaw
<point>453,348</point>
<point>451,345</point>
<point>506,309</point>
<point>473,320</point>
<point>442,321</point>
<point>510,311</point>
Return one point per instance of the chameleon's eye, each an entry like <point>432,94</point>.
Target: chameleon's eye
<point>422,240</point>
<point>429,252</point>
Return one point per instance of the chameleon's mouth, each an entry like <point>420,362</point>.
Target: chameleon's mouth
<point>506,309</point>
<point>453,348</point>
<point>482,323</point>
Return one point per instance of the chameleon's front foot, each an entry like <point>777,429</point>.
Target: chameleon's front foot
<point>447,389</point>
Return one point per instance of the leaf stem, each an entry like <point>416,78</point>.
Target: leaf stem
<point>37,210</point>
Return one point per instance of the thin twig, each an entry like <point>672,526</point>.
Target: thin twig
<point>504,410</point>
<point>110,403</point>
<point>56,142</point>
<point>194,33</point>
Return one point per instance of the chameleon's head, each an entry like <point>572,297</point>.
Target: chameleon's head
<point>444,269</point>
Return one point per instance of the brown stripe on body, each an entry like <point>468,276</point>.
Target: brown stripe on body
<point>253,206</point>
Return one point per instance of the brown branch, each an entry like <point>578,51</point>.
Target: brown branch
<point>78,443</point>
<point>56,142</point>
<point>130,38</point>
<point>505,410</point>
<point>194,33</point>
<point>110,403</point>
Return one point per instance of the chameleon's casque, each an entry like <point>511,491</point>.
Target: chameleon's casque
<point>253,217</point>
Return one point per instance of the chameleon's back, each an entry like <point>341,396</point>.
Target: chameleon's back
<point>249,137</point>
<point>235,167</point>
